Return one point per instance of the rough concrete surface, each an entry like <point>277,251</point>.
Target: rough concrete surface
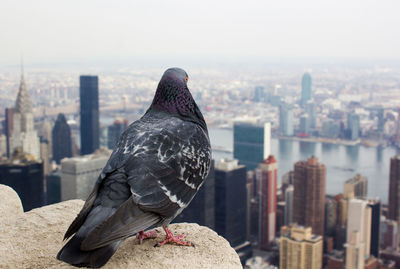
<point>32,240</point>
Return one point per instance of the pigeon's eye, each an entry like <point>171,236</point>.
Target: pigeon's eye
<point>186,79</point>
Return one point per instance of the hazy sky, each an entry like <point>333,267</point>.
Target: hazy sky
<point>53,31</point>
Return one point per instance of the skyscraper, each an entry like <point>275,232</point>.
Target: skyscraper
<point>23,134</point>
<point>78,174</point>
<point>359,220</point>
<point>394,189</point>
<point>114,132</point>
<point>25,176</point>
<point>353,126</point>
<point>356,186</point>
<point>300,249</point>
<point>311,110</point>
<point>62,144</point>
<point>389,234</point>
<point>288,218</point>
<point>305,125</point>
<point>309,194</point>
<point>306,93</point>
<point>251,143</point>
<point>375,205</point>
<point>285,120</point>
<point>89,105</point>
<point>9,122</point>
<point>267,173</point>
<point>231,202</point>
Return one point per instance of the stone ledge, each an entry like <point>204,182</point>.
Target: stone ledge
<point>32,240</point>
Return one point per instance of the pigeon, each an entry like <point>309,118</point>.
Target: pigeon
<point>156,168</point>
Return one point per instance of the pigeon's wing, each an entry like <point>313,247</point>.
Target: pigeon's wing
<point>80,219</point>
<point>166,180</point>
<point>113,164</point>
<point>164,174</point>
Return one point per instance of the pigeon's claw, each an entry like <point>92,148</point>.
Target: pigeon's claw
<point>148,235</point>
<point>172,239</point>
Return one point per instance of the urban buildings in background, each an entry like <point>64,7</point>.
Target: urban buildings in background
<point>62,145</point>
<point>23,134</point>
<point>309,194</point>
<point>79,174</point>
<point>89,112</point>
<point>394,189</point>
<point>266,175</point>
<point>24,174</point>
<point>251,143</point>
<point>327,111</point>
<point>231,206</point>
<point>299,248</point>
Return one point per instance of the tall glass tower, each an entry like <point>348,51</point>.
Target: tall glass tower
<point>305,89</point>
<point>89,96</point>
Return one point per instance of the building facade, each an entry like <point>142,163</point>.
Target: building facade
<point>25,176</point>
<point>267,173</point>
<point>61,135</point>
<point>356,186</point>
<point>89,111</point>
<point>231,205</point>
<point>306,93</point>
<point>394,189</point>
<point>286,120</point>
<point>23,133</point>
<point>251,143</point>
<point>300,249</point>
<point>309,194</point>
<point>79,174</point>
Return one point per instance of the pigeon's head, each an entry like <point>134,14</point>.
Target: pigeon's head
<point>174,97</point>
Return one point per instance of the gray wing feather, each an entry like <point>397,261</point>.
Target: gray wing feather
<point>125,222</point>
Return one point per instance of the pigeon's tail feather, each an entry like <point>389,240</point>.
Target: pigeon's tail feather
<point>71,253</point>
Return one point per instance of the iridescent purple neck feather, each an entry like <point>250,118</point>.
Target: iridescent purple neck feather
<point>173,96</point>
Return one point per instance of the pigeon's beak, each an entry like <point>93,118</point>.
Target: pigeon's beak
<point>186,79</point>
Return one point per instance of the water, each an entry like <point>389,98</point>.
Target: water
<point>342,162</point>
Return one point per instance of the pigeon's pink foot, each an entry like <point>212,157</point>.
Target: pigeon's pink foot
<point>148,235</point>
<point>171,239</point>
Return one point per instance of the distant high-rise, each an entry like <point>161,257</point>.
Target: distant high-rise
<point>309,194</point>
<point>299,248</point>
<point>353,125</point>
<point>251,143</point>
<point>201,209</point>
<point>115,131</point>
<point>23,133</point>
<point>231,202</point>
<point>359,221</point>
<point>330,216</point>
<point>306,93</point>
<point>355,258</point>
<point>78,174</point>
<point>89,105</point>
<point>25,176</point>
<point>389,234</point>
<point>375,205</point>
<point>381,119</point>
<point>267,173</point>
<point>394,189</point>
<point>288,217</point>
<point>9,122</point>
<point>305,124</point>
<point>62,144</point>
<point>311,110</point>
<point>356,187</point>
<point>285,120</point>
<point>258,94</point>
